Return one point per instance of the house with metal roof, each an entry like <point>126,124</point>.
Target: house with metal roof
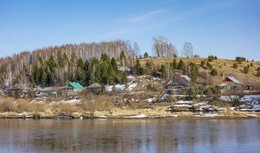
<point>75,86</point>
<point>231,85</point>
<point>175,87</point>
<point>94,88</point>
<point>182,80</point>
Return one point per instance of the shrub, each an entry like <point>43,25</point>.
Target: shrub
<point>258,72</point>
<point>235,65</point>
<point>65,108</point>
<point>246,69</point>
<point>202,63</point>
<point>209,66</point>
<point>9,106</point>
<point>214,72</point>
<point>151,87</point>
<point>23,105</point>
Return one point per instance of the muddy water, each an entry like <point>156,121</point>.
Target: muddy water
<point>130,136</point>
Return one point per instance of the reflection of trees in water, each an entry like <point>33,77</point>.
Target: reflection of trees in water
<point>125,135</point>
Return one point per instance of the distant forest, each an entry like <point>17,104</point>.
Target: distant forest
<point>55,66</point>
<point>86,63</point>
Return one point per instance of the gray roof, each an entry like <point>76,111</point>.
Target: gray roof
<point>186,77</point>
<point>94,85</point>
<point>181,80</point>
<point>233,79</point>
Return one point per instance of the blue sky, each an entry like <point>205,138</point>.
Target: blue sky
<point>225,28</point>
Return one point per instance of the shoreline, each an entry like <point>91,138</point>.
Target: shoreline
<point>134,114</point>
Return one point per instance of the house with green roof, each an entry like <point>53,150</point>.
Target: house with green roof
<point>75,86</point>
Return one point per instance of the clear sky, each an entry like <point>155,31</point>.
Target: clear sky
<point>225,28</point>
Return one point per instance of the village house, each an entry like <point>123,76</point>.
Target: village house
<point>231,85</point>
<point>52,91</point>
<point>94,88</point>
<point>177,84</point>
<point>18,90</point>
<point>75,86</point>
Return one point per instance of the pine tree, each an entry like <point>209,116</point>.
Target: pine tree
<point>114,64</point>
<point>146,55</point>
<point>123,59</point>
<point>193,72</point>
<point>181,65</point>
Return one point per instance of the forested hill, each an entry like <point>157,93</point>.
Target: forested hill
<point>54,66</point>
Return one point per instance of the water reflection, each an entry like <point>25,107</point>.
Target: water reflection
<point>169,135</point>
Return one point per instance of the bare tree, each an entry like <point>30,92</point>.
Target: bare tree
<point>163,48</point>
<point>187,49</point>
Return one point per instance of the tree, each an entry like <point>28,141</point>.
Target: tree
<point>187,49</point>
<point>193,72</point>
<point>114,64</point>
<point>44,78</point>
<point>123,59</point>
<point>174,64</point>
<point>211,58</point>
<point>163,71</point>
<point>240,59</point>
<point>139,70</point>
<point>136,49</point>
<point>181,65</point>
<point>163,48</point>
<point>146,55</point>
<point>51,63</point>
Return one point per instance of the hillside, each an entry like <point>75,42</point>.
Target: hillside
<point>111,62</point>
<point>224,68</point>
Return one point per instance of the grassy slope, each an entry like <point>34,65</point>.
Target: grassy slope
<point>222,65</point>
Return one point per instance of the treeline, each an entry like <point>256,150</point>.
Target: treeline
<point>59,65</point>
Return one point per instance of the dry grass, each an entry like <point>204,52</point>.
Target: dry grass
<point>223,66</point>
<point>7,104</point>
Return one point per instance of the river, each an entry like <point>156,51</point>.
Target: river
<point>130,136</point>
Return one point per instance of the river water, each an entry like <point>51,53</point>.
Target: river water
<point>130,136</point>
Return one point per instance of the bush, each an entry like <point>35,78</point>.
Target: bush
<point>9,106</point>
<point>246,69</point>
<point>235,65</point>
<point>23,105</point>
<point>214,72</point>
<point>202,63</point>
<point>151,87</point>
<point>209,66</point>
<point>258,72</point>
<point>65,108</point>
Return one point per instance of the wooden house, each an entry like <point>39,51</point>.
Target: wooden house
<point>176,86</point>
<point>182,80</point>
<point>75,86</point>
<point>52,91</point>
<point>231,85</point>
<point>18,90</point>
<point>94,88</point>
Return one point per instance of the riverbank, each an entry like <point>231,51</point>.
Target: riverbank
<point>125,113</point>
<point>114,106</point>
